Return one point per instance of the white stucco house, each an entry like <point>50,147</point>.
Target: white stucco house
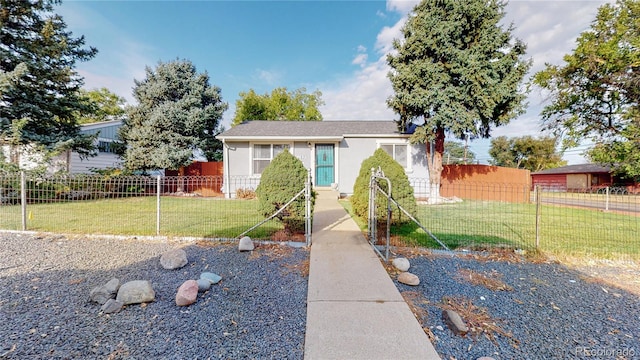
<point>333,150</point>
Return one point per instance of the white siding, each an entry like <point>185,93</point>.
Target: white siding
<point>101,161</point>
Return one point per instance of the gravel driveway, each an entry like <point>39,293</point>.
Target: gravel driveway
<point>257,311</point>
<point>545,310</point>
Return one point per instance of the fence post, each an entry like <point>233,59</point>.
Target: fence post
<point>372,227</point>
<point>158,205</point>
<point>307,208</point>
<point>606,206</point>
<point>23,199</point>
<point>537,195</point>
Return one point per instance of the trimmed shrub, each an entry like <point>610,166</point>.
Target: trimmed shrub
<point>401,189</point>
<point>247,194</point>
<point>280,182</point>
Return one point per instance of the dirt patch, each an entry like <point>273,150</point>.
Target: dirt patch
<point>618,273</point>
<point>283,235</point>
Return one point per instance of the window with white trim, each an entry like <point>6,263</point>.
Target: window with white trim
<point>399,152</point>
<point>262,155</point>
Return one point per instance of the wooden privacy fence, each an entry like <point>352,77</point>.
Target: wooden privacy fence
<point>204,178</point>
<point>486,182</point>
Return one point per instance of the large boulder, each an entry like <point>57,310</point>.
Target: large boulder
<point>211,277</point>
<point>187,293</point>
<point>245,244</point>
<point>409,279</point>
<point>136,292</point>
<point>111,306</point>
<point>174,259</point>
<point>101,294</point>
<point>203,285</point>
<point>401,264</point>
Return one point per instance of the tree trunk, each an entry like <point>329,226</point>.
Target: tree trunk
<point>180,180</point>
<point>435,151</point>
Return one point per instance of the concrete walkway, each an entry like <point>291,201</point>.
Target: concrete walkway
<point>354,311</point>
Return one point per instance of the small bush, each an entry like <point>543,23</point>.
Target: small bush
<point>280,182</point>
<point>401,189</point>
<point>246,194</point>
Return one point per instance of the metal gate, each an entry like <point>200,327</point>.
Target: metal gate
<point>306,192</point>
<point>375,190</point>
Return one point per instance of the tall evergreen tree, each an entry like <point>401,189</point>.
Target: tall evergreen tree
<point>39,107</point>
<point>456,71</point>
<point>178,112</point>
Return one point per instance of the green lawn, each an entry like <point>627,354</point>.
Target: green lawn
<point>563,230</point>
<point>197,217</point>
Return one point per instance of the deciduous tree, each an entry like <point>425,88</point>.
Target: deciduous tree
<point>526,152</point>
<point>456,71</point>
<point>178,112</point>
<point>279,105</point>
<point>457,153</point>
<point>103,105</point>
<point>595,94</point>
<point>40,105</point>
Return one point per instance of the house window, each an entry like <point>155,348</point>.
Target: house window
<point>104,146</point>
<point>399,152</point>
<point>263,154</point>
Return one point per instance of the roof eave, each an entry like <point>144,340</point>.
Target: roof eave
<point>280,138</point>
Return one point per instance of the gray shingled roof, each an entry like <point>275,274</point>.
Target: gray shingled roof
<point>309,129</point>
<point>576,169</point>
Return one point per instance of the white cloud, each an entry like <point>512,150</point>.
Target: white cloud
<point>360,97</point>
<point>270,77</point>
<point>401,6</point>
<point>360,59</point>
<point>113,70</point>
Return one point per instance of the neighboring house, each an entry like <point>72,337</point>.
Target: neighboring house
<point>105,157</point>
<point>573,177</point>
<point>29,158</point>
<point>333,150</point>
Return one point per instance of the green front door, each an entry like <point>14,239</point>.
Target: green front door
<point>324,165</point>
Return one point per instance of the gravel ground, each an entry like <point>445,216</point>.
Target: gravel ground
<point>549,311</point>
<point>257,311</point>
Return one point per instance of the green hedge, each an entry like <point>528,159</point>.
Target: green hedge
<point>401,189</point>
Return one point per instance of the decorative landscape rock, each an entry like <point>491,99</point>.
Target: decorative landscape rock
<point>455,322</point>
<point>245,244</point>
<point>187,293</point>
<point>203,285</point>
<point>401,264</point>
<point>174,259</point>
<point>136,292</point>
<point>101,294</point>
<point>211,277</point>
<point>111,306</point>
<point>409,279</point>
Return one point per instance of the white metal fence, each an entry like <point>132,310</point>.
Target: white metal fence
<point>131,205</point>
<point>600,222</point>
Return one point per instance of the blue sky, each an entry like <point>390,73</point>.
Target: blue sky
<point>337,47</point>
